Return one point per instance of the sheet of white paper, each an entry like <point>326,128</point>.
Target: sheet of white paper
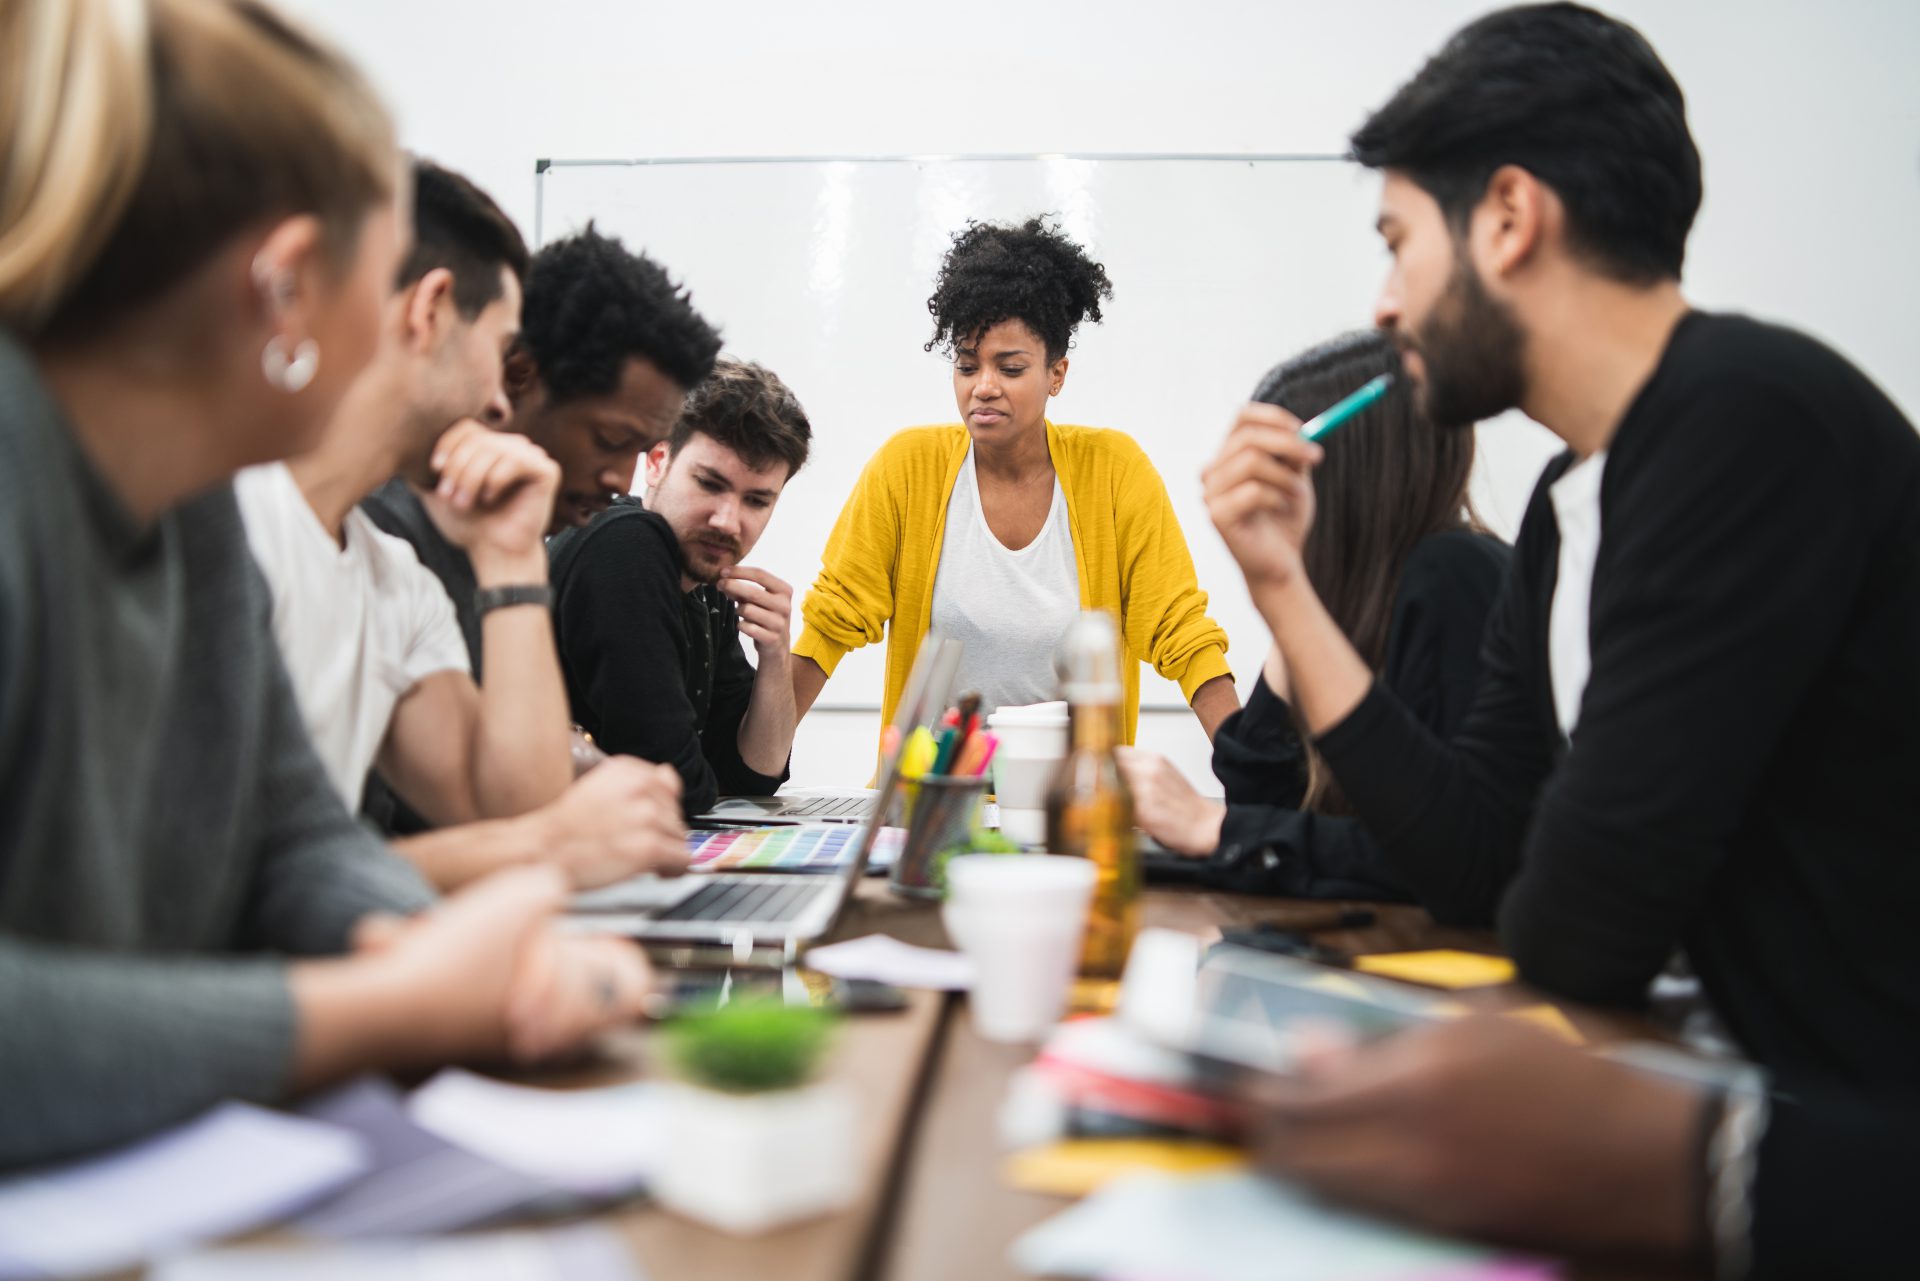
<point>236,1167</point>
<point>877,956</point>
<point>1237,1227</point>
<point>598,1143</point>
<point>584,1253</point>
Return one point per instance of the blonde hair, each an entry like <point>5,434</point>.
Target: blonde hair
<point>142,135</point>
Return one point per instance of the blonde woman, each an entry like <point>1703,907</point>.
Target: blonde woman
<point>200,214</point>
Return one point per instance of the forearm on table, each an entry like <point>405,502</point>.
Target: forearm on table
<point>1327,676</point>
<point>353,1016</point>
<point>104,1047</point>
<point>452,856</point>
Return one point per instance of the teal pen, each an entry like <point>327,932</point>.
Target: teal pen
<point>1323,425</point>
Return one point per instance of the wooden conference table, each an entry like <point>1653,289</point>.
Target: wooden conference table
<point>932,1206</point>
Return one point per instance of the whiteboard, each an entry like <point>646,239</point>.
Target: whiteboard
<point>820,269</point>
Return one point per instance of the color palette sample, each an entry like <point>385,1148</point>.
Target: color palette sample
<point>785,849</point>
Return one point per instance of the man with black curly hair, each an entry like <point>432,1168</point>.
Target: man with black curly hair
<point>997,530</point>
<point>652,599</point>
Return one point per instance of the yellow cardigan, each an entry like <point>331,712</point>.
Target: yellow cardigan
<point>881,558</point>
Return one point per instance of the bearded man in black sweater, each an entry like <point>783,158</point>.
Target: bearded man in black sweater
<point>1699,719</point>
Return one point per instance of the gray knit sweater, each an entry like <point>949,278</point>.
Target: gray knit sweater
<point>167,836</point>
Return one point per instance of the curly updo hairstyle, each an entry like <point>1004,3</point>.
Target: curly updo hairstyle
<point>1031,273</point>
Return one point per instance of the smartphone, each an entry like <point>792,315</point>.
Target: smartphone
<point>691,991</point>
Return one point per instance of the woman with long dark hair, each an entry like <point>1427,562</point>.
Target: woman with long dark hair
<point>1409,575</point>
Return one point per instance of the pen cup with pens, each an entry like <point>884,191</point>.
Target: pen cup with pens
<point>943,780</point>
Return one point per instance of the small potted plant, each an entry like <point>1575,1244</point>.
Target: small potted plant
<point>752,1140</point>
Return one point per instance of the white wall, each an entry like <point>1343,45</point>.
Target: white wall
<point>1808,117</point>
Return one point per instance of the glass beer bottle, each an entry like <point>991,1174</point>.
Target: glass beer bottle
<point>1089,810</point>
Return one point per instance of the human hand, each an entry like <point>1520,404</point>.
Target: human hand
<point>618,820</point>
<point>452,968</point>
<point>1166,806</point>
<point>494,500</point>
<point>765,606</point>
<point>1259,492</point>
<point>571,988</point>
<point>1490,1127</point>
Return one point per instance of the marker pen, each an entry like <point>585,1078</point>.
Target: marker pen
<point>1323,425</point>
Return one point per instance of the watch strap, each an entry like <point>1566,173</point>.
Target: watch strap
<point>488,599</point>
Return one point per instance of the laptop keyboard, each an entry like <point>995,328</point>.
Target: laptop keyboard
<point>830,807</point>
<point>775,904</point>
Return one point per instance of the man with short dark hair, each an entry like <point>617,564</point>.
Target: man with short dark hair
<point>368,635</point>
<point>650,600</point>
<point>1695,731</point>
<point>608,348</point>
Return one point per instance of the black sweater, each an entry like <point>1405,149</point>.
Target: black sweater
<point>1268,845</point>
<point>652,671</point>
<point>1742,778</point>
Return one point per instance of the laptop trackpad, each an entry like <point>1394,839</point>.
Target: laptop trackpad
<point>641,894</point>
<point>747,807</point>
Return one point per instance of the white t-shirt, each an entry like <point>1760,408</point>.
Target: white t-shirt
<point>1006,608</point>
<point>1576,509</point>
<point>358,625</point>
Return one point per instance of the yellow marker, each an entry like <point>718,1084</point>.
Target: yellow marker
<point>1442,968</point>
<point>920,753</point>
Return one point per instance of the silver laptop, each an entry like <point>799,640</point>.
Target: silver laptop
<point>849,806</point>
<point>760,918</point>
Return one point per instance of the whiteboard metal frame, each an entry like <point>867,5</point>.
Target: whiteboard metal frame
<point>543,166</point>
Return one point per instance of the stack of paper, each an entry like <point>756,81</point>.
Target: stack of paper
<point>888,960</point>
<point>417,1182</point>
<point>596,1143</point>
<point>236,1168</point>
<point>570,1254</point>
<point>1241,1227</point>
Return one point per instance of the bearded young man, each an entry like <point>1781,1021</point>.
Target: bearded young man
<point>1695,730</point>
<point>651,599</point>
<point>1696,727</point>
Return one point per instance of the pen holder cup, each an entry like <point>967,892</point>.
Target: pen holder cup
<point>941,815</point>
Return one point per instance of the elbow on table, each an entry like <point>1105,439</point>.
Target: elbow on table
<point>1563,957</point>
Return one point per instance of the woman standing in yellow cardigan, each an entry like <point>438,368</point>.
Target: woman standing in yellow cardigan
<point>997,530</point>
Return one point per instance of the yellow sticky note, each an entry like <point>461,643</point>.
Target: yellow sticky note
<point>1077,1167</point>
<point>1443,968</point>
<point>1552,1018</point>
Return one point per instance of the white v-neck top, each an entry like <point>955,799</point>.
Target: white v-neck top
<point>1576,510</point>
<point>1007,608</point>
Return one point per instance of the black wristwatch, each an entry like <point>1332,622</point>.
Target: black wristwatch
<point>487,599</point>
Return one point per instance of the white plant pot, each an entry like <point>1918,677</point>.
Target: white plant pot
<point>747,1163</point>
